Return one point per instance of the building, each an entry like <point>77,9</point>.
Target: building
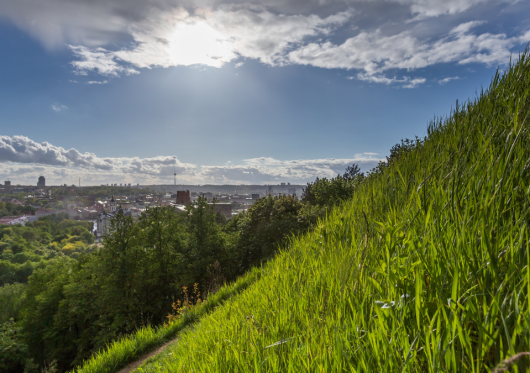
<point>12,220</point>
<point>104,218</point>
<point>292,191</point>
<point>223,209</point>
<point>41,182</point>
<point>269,191</point>
<point>183,197</point>
<point>255,196</point>
<point>7,184</point>
<point>112,205</point>
<point>102,224</point>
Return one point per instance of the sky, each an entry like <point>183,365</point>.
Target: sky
<point>235,92</point>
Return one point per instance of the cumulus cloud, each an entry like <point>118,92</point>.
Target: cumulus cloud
<point>20,149</point>
<point>270,170</point>
<point>374,52</point>
<point>215,37</point>
<point>98,60</point>
<point>24,160</point>
<point>57,107</point>
<point>121,37</point>
<point>97,23</point>
<point>207,37</point>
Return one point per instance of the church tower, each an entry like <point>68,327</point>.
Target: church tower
<point>112,205</point>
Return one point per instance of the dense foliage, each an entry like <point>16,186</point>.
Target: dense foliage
<point>9,209</point>
<point>26,248</point>
<point>74,304</point>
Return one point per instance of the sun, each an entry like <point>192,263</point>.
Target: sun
<point>196,42</point>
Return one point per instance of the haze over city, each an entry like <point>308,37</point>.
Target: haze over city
<point>235,92</point>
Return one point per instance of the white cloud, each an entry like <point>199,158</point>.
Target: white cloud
<point>167,33</point>
<point>24,160</point>
<point>413,83</point>
<point>57,107</point>
<point>375,52</point>
<point>269,170</point>
<point>464,28</point>
<point>239,64</point>
<point>207,37</point>
<point>97,23</point>
<point>98,60</point>
<point>20,149</point>
<point>448,79</point>
<point>433,8</point>
<point>97,82</point>
<point>405,82</point>
<point>215,37</point>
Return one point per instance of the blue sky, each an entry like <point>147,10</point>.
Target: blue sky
<point>235,92</point>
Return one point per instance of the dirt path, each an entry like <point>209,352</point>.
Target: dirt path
<point>135,364</point>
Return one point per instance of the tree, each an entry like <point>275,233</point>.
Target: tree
<point>266,226</point>
<point>352,172</point>
<point>13,351</point>
<point>207,243</point>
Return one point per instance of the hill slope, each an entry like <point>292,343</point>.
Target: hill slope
<point>425,269</point>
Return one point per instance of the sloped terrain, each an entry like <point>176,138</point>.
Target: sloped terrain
<point>424,270</point>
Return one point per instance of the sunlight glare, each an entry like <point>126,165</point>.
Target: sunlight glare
<point>197,42</point>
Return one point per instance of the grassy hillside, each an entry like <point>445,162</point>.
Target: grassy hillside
<point>425,269</point>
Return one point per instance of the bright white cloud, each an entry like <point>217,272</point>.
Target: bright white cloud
<point>207,37</point>
<point>57,107</point>
<point>23,160</point>
<point>215,37</point>
<point>270,170</point>
<point>375,52</point>
<point>20,149</point>
<point>98,60</point>
<point>168,33</point>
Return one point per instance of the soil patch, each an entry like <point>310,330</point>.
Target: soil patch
<point>135,364</point>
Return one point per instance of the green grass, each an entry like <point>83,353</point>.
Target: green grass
<point>128,349</point>
<point>426,269</point>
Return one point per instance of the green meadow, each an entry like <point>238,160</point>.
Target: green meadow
<point>425,269</point>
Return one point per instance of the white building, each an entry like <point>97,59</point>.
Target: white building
<point>104,218</point>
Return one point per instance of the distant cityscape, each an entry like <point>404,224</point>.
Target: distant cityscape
<point>263,190</point>
<point>36,201</point>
